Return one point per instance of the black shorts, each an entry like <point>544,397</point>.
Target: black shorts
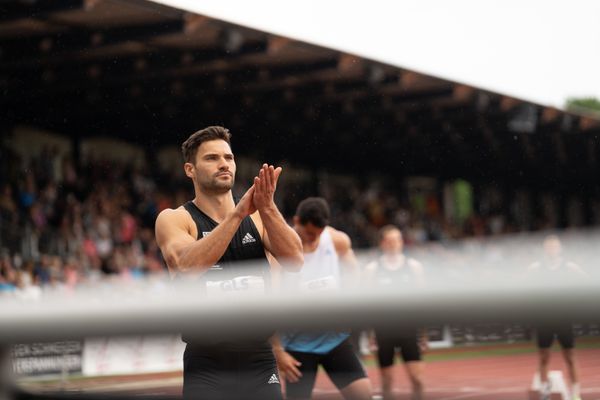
<point>225,374</point>
<point>564,334</point>
<point>341,364</point>
<point>388,341</point>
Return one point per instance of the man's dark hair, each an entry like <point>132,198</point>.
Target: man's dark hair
<point>314,210</point>
<point>189,148</point>
<point>385,229</point>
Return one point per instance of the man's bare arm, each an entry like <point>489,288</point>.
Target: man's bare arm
<point>418,272</point>
<point>183,253</point>
<point>368,274</point>
<point>287,364</point>
<point>343,247</point>
<point>577,269</point>
<point>279,238</point>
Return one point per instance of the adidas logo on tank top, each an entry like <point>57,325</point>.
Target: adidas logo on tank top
<point>248,239</point>
<point>273,379</point>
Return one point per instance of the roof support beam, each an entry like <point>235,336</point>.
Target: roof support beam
<point>35,49</point>
<point>11,10</point>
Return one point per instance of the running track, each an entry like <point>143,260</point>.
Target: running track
<point>497,377</point>
<point>489,378</point>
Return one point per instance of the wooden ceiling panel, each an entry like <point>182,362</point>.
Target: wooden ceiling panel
<point>106,13</point>
<point>27,27</point>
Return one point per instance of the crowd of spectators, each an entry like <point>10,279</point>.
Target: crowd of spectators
<point>64,223</point>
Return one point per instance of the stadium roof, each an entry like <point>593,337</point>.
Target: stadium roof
<point>523,49</point>
<point>153,74</point>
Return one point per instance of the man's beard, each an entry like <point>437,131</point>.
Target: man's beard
<point>215,186</point>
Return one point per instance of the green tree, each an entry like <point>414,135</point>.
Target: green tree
<point>584,105</point>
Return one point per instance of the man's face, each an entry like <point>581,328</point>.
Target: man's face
<point>309,233</point>
<point>552,246</point>
<point>214,169</point>
<point>391,242</point>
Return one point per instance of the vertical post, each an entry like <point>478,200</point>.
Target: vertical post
<point>64,372</point>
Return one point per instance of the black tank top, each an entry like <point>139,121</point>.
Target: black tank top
<point>243,266</point>
<point>246,245</point>
<point>557,271</point>
<point>400,278</point>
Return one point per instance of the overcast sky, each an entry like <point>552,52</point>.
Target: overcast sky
<point>542,51</point>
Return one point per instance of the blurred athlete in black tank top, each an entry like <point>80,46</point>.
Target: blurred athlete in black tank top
<point>207,239</point>
<point>557,269</point>
<point>394,271</point>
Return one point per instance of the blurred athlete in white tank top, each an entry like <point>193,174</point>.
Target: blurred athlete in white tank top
<point>299,354</point>
<point>321,270</point>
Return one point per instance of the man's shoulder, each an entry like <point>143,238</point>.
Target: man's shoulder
<point>336,234</point>
<point>340,239</point>
<point>174,212</point>
<point>177,215</point>
<point>414,264</point>
<point>413,261</point>
<point>373,265</point>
